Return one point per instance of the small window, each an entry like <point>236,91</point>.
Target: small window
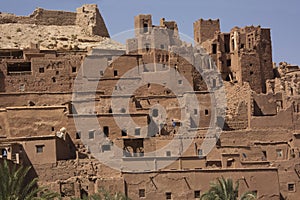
<point>279,153</point>
<point>115,72</point>
<point>195,112</point>
<point>142,193</point>
<point>41,69</point>
<point>155,113</point>
<point>78,134</point>
<point>168,153</point>
<point>57,73</point>
<point>116,87</point>
<point>137,131</point>
<point>162,46</point>
<point>124,132</point>
<point>74,69</point>
<point>228,62</point>
<point>197,194</point>
<point>164,66</point>
<point>168,195</point>
<point>291,187</point>
<point>91,134</point>
<point>206,112</point>
<point>52,128</point>
<point>251,72</point>
<point>200,152</point>
<point>214,48</point>
<point>39,148</point>
<point>105,147</point>
<point>101,73</point>
<point>106,131</point>
<point>180,82</point>
<point>53,79</point>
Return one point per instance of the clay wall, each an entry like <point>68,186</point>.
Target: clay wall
<point>185,184</point>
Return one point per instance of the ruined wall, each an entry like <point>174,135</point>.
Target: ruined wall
<point>205,29</point>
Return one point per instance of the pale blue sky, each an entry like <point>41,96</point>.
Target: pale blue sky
<point>281,16</point>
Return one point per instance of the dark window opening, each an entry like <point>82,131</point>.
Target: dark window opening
<point>154,112</point>
<point>228,62</point>
<point>195,112</point>
<point>214,48</point>
<point>124,132</point>
<point>227,43</point>
<point>52,128</point>
<point>115,72</point>
<point>162,46</point>
<point>91,134</point>
<point>105,147</point>
<point>106,131</point>
<point>73,69</point>
<point>41,69</point>
<point>145,27</point>
<point>168,195</point>
<point>57,72</point>
<point>206,112</point>
<point>250,64</point>
<point>291,187</point>
<point>264,155</point>
<point>39,148</point>
<point>251,72</point>
<point>168,153</point>
<point>142,193</point>
<point>137,131</point>
<point>78,135</point>
<point>53,79</point>
<point>242,46</point>
<point>180,82</point>
<point>18,67</point>
<point>101,73</point>
<point>197,194</point>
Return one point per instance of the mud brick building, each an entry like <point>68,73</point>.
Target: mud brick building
<point>149,106</point>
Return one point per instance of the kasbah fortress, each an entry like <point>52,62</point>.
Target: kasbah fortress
<point>248,108</point>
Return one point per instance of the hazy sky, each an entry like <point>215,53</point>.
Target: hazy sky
<point>281,16</point>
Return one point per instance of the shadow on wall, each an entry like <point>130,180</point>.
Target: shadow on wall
<point>2,82</point>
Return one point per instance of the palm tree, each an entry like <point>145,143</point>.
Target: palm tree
<point>224,189</point>
<point>13,185</point>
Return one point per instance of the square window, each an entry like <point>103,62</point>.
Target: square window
<point>180,82</point>
<point>124,132</point>
<point>279,153</point>
<point>168,153</point>
<point>206,112</point>
<point>168,195</point>
<point>197,193</point>
<point>291,187</point>
<point>195,112</point>
<point>41,69</point>
<point>105,147</point>
<point>142,193</point>
<point>91,134</point>
<point>137,131</point>
<point>115,72</point>
<point>39,148</point>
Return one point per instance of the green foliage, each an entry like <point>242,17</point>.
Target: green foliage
<point>224,189</point>
<point>104,195</point>
<point>12,185</point>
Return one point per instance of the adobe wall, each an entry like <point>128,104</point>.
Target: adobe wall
<point>184,185</point>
